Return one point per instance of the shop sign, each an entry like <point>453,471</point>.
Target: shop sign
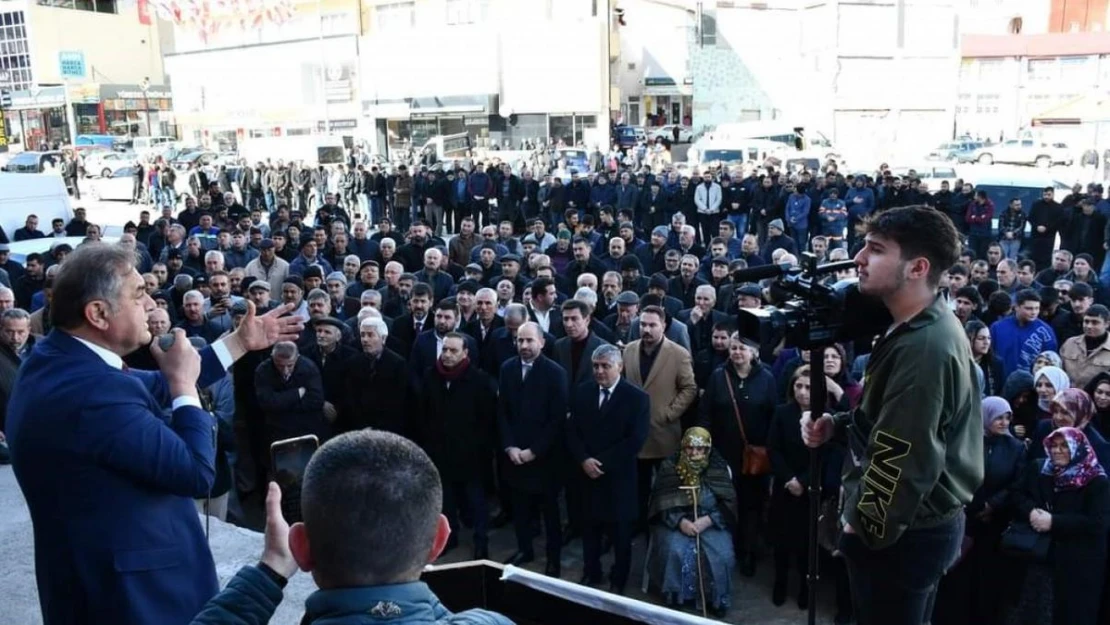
<point>659,81</point>
<point>476,120</point>
<point>46,97</point>
<point>339,82</point>
<point>134,92</point>
<point>337,124</point>
<point>71,64</point>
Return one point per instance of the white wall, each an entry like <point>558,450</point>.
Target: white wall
<point>655,41</point>
<point>117,46</point>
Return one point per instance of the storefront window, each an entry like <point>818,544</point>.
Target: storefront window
<point>88,121</point>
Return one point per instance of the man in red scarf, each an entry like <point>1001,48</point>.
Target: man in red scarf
<point>455,428</point>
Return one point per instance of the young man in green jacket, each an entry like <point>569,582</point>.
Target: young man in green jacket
<point>916,438</point>
<point>371,503</point>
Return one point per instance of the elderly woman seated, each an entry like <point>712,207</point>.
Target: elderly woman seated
<point>691,558</point>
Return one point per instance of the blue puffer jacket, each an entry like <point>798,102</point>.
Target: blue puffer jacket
<point>251,598</point>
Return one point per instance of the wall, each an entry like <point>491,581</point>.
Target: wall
<point>655,43</point>
<point>118,49</point>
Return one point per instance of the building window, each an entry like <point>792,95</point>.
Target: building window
<point>1074,69</point>
<point>15,59</point>
<point>338,24</point>
<point>97,6</point>
<point>400,15</point>
<point>987,104</point>
<point>1041,70</point>
<point>708,29</point>
<point>990,69</point>
<point>963,104</point>
<point>466,11</point>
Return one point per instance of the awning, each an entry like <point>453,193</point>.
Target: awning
<point>1087,108</point>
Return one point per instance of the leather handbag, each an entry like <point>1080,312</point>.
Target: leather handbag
<point>756,460</point>
<point>1021,541</point>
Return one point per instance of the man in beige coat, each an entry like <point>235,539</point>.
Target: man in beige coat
<point>664,371</point>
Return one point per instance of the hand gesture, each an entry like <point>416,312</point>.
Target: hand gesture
<point>261,332</point>
<point>275,550</point>
<point>816,433</point>
<point>695,314</point>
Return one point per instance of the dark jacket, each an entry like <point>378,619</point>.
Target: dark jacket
<point>376,394</point>
<point>455,425</point>
<point>584,372</point>
<point>530,415</point>
<point>756,397</point>
<point>288,414</point>
<point>1004,458</point>
<point>612,434</point>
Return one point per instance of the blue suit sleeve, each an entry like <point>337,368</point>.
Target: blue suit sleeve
<point>121,433</point>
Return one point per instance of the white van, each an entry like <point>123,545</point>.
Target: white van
<point>43,195</point>
<point>307,149</point>
<point>729,152</point>
<point>146,145</point>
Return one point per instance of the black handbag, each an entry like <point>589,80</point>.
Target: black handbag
<point>1021,541</point>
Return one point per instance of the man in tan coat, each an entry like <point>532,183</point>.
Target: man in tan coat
<point>1088,354</point>
<point>663,369</point>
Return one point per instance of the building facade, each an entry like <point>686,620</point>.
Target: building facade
<point>80,67</point>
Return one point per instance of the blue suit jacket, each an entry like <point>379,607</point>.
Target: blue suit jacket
<point>109,482</point>
<point>530,415</point>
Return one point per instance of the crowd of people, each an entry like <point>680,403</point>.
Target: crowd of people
<point>569,357</point>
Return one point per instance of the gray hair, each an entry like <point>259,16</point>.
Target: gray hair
<point>367,312</point>
<point>214,254</point>
<point>316,294</point>
<point>370,294</point>
<point>94,272</point>
<point>587,295</point>
<point>375,324</point>
<point>17,313</point>
<point>608,352</point>
<point>351,257</point>
<point>486,292</point>
<point>284,350</point>
<point>6,291</point>
<point>688,230</point>
<point>387,242</point>
<point>192,295</point>
<point>517,311</point>
<point>706,288</point>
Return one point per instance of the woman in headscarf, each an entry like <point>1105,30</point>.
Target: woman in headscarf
<point>1021,394</point>
<point>1067,497</point>
<point>971,592</point>
<point>1047,358</point>
<point>1099,390</point>
<point>1048,382</point>
<point>673,566</point>
<point>1071,408</point>
<point>789,511</point>
<point>836,367</point>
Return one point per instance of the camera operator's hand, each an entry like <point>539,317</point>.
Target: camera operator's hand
<point>275,552</point>
<point>816,433</point>
<point>180,364</point>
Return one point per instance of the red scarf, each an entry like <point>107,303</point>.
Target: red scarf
<point>450,375</point>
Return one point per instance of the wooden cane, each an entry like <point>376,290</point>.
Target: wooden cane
<point>694,492</point>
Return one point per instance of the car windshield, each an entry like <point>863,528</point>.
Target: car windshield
<point>26,158</point>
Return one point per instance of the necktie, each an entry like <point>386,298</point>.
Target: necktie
<point>416,326</point>
<point>527,368</point>
<point>604,398</point>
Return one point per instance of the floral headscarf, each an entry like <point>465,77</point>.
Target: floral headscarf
<point>1057,378</point>
<point>1084,465</point>
<point>1052,357</point>
<point>993,408</point>
<point>690,470</point>
<point>1078,404</point>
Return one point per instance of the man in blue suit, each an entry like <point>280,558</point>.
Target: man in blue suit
<point>108,477</point>
<point>608,424</point>
<point>531,409</point>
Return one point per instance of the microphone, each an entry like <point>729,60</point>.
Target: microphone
<point>762,272</point>
<point>166,341</point>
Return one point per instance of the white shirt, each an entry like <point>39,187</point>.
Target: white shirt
<point>543,318</point>
<point>113,360</point>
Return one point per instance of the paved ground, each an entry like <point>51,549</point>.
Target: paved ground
<point>234,547</point>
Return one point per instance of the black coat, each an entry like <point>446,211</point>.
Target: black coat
<point>613,435</point>
<point>332,369</point>
<point>375,395</point>
<point>563,354</point>
<point>403,331</point>
<point>701,333</point>
<point>756,397</point>
<point>530,415</point>
<point>1004,469</point>
<point>287,413</point>
<point>455,425</point>
<point>1080,519</point>
<point>502,348</point>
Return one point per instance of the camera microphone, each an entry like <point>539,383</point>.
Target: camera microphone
<point>761,272</point>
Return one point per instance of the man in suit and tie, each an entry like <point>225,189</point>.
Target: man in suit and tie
<point>531,409</point>
<point>664,370</point>
<point>93,441</point>
<point>428,346</point>
<point>608,424</point>
<point>573,350</point>
<point>408,326</point>
<point>543,310</point>
<point>701,318</point>
<point>486,319</point>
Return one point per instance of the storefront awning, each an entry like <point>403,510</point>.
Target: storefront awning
<point>1087,108</point>
<point>40,98</point>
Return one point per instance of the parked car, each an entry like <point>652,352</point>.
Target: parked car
<point>930,173</point>
<point>685,133</point>
<point>629,136</point>
<point>1025,152</point>
<point>145,145</point>
<point>34,162</point>
<point>200,158</point>
<point>120,185</point>
<point>102,163</point>
<point>20,250</point>
<point>576,159</point>
<point>955,151</point>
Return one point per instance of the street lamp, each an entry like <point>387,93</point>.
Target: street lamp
<point>144,86</point>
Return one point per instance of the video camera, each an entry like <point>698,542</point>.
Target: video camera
<point>810,312</point>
